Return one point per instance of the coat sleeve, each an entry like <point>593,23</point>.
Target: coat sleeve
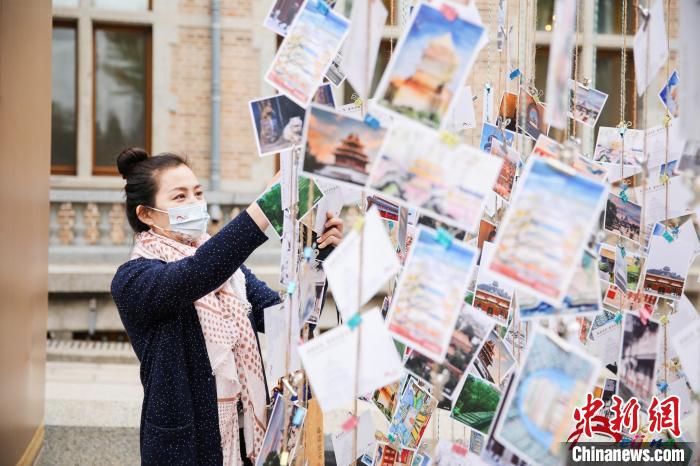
<point>147,290</point>
<point>260,296</point>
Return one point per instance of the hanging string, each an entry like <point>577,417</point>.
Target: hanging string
<point>623,96</point>
<point>576,54</point>
<point>645,116</point>
<point>667,118</point>
<point>634,81</point>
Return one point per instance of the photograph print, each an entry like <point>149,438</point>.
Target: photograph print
<point>532,123</point>
<point>585,103</point>
<point>669,94</point>
<point>623,217</point>
<point>476,404</point>
<point>495,360</point>
<point>340,147</point>
<point>430,63</point>
<point>278,123</point>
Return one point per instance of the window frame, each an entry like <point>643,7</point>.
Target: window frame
<point>148,30</point>
<point>70,170</point>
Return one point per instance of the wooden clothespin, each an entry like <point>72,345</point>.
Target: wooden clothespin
<point>645,15</point>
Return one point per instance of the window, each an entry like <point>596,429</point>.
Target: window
<point>125,5</point>
<point>610,17</point>
<point>63,98</point>
<point>607,79</point>
<point>122,93</point>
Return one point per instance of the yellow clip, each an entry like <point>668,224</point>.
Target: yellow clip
<point>284,458</point>
<point>358,102</point>
<point>664,178</point>
<point>358,224</point>
<point>663,320</point>
<point>667,120</point>
<point>449,139</point>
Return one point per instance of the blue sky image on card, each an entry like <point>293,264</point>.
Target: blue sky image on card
<point>455,255</point>
<point>547,179</point>
<point>429,24</point>
<point>330,22</point>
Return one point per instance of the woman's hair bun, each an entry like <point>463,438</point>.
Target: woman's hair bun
<point>128,158</point>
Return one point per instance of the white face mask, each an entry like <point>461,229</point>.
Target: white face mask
<point>189,221</point>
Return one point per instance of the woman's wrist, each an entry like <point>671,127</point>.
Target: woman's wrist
<point>258,217</point>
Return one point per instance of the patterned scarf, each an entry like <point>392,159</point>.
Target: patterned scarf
<point>231,346</point>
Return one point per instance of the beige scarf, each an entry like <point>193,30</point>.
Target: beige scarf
<point>231,346</point>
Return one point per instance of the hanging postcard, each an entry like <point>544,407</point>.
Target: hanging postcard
<point>283,431</point>
<point>669,94</point>
<point>532,123</point>
<point>340,148</point>
<point>450,182</point>
<point>559,68</point>
<point>490,296</point>
<point>623,217</point>
<point>281,15</point>
<point>640,345</point>
<point>302,60</point>
<point>650,46</point>
<point>508,109</point>
<point>342,266</point>
<point>537,413</point>
<point>506,177</point>
<point>413,412</point>
<point>332,357</point>
<point>491,133</point>
<point>667,266</point>
<point>270,201</point>
<point>586,103</point>
<point>278,123</point>
<point>466,340</point>
<point>539,243</point>
<point>462,114</point>
<point>430,292</point>
<point>431,62</point>
<point>476,404</point>
<point>495,360</point>
<point>343,440</point>
<point>362,44</point>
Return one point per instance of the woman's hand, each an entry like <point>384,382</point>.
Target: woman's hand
<point>332,233</point>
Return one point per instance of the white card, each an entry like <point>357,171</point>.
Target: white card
<point>658,47</point>
<point>462,115</point>
<point>687,345</point>
<point>277,332</point>
<point>379,264</point>
<point>343,440</point>
<point>330,361</point>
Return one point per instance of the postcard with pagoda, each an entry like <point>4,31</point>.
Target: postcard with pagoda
<point>431,62</point>
<point>340,147</point>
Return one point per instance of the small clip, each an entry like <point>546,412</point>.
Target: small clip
<point>644,13</point>
<point>663,179</point>
<point>586,260</point>
<point>475,98</point>
<point>355,321</point>
<point>667,120</point>
<point>298,417</point>
<point>371,121</point>
<point>358,102</point>
<point>618,318</point>
<point>358,224</point>
<point>350,424</point>
<point>514,74</point>
<point>622,127</point>
<point>461,450</point>
<point>623,253</point>
<point>284,458</point>
<point>663,320</point>
<point>663,386</point>
<point>444,237</point>
<point>308,253</point>
<point>391,438</point>
<point>487,86</point>
<point>667,236</point>
<point>586,82</point>
<point>291,287</point>
<point>623,193</point>
<point>449,139</point>
<point>322,7</point>
<point>448,12</point>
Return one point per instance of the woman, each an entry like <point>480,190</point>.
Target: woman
<point>192,310</point>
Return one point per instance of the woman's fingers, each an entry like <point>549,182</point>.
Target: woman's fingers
<point>331,240</point>
<point>333,222</point>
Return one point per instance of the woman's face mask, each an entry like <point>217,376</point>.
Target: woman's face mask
<point>189,221</point>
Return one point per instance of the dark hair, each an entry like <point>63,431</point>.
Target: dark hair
<point>140,171</point>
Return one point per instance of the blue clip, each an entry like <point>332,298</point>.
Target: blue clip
<point>514,74</point>
<point>444,237</point>
<point>618,318</point>
<point>586,260</point>
<point>354,321</point>
<point>371,121</point>
<point>298,417</point>
<point>623,253</point>
<point>675,231</point>
<point>322,7</point>
<point>291,287</point>
<point>663,386</point>
<point>308,253</point>
<point>667,236</point>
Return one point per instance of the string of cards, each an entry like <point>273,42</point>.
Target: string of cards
<point>517,282</point>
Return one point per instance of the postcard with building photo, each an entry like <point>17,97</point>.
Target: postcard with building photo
<point>425,307</point>
<point>669,94</point>
<point>637,367</point>
<point>667,267</point>
<point>283,431</point>
<point>431,62</point>
<point>623,217</point>
<point>608,146</point>
<point>508,110</point>
<point>583,297</point>
<point>491,133</point>
<point>278,123</point>
<point>412,414</point>
<point>491,296</point>
<point>585,103</point>
<point>302,60</point>
<point>450,183</point>
<point>495,360</point>
<point>554,377</point>
<point>281,15</point>
<point>469,334</point>
<point>339,147</point>
<point>616,300</point>
<point>607,259</point>
<point>506,177</point>
<point>324,96</point>
<point>539,244</point>
<point>532,122</point>
<point>476,404</point>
